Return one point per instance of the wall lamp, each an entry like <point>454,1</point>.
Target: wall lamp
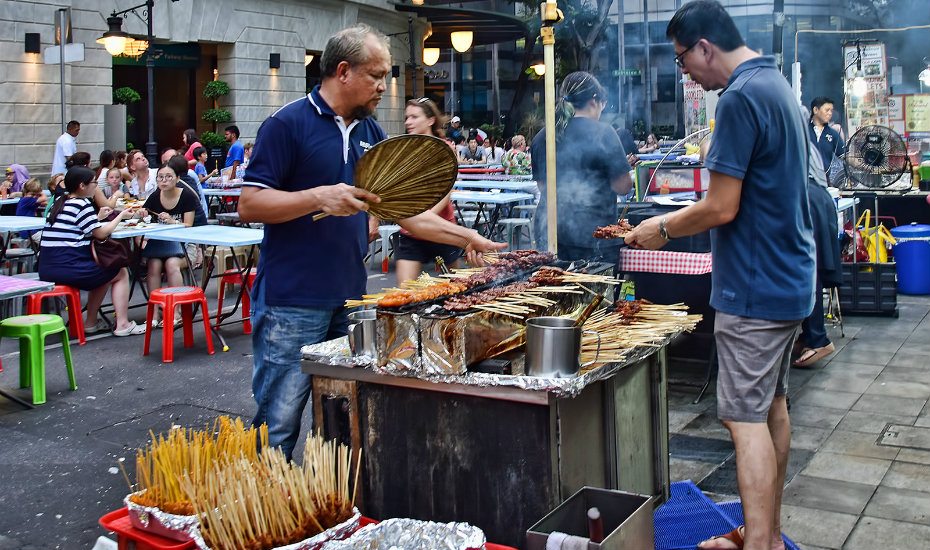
<point>274,61</point>
<point>33,42</point>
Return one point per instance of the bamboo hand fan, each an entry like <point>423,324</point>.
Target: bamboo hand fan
<point>411,174</point>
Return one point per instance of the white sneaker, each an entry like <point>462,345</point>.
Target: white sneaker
<point>131,330</point>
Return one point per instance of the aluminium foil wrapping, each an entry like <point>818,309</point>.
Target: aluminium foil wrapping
<point>159,522</point>
<point>316,542</point>
<point>398,340</point>
<point>336,353</point>
<point>450,343</point>
<point>402,533</point>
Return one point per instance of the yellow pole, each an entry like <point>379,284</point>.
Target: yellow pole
<point>550,16</point>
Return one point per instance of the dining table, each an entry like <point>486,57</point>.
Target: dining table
<point>12,288</point>
<point>502,185</point>
<point>490,207</point>
<point>226,199</point>
<point>211,237</point>
<point>11,225</point>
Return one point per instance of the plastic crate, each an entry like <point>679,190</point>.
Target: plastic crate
<point>870,289</point>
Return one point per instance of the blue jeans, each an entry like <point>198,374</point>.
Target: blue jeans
<point>281,389</point>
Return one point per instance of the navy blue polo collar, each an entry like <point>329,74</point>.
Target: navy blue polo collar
<point>763,61</point>
<point>319,103</point>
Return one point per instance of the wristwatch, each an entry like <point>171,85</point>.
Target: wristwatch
<point>663,230</point>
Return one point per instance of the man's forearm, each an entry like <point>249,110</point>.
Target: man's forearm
<point>264,205</point>
<point>429,226</point>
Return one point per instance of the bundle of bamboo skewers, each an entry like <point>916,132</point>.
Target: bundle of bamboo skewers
<point>525,303</point>
<point>192,453</point>
<point>272,502</point>
<point>620,333</point>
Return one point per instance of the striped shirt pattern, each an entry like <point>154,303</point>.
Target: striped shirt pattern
<point>73,226</point>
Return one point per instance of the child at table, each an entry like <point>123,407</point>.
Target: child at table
<point>172,205</point>
<point>200,155</point>
<point>33,199</point>
<point>114,188</point>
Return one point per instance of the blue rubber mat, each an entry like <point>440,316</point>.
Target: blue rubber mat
<point>690,517</point>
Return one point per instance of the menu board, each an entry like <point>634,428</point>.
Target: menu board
<point>871,59</point>
<point>917,113</point>
<point>695,106</point>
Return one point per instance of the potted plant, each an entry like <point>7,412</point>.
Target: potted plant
<point>126,96</point>
<point>214,141</point>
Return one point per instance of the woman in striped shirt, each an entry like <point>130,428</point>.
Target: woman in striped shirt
<point>66,257</point>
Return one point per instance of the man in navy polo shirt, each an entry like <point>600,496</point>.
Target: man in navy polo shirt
<point>302,163</point>
<point>763,252</point>
<point>828,141</point>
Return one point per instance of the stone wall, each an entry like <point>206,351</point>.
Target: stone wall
<point>245,32</point>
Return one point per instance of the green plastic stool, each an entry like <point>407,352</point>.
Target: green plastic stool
<point>31,331</point>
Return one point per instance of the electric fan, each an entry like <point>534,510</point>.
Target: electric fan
<point>876,157</point>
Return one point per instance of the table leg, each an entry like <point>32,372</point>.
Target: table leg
<point>12,397</point>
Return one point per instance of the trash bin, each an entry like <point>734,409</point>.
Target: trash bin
<point>912,256</point>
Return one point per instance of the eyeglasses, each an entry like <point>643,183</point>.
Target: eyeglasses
<point>679,59</point>
<point>164,177</point>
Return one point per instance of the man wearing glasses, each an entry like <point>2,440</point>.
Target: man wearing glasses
<point>763,252</point>
<point>304,159</point>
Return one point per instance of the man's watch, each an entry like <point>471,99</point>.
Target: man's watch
<point>663,230</point>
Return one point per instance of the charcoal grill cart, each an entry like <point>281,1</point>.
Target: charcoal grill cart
<point>497,451</point>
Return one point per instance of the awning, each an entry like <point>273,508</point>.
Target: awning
<point>488,27</point>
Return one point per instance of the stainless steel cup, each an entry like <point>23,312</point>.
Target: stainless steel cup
<point>362,333</point>
<point>553,345</point>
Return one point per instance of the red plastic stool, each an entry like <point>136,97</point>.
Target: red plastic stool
<point>234,277</point>
<point>73,295</point>
<point>169,298</point>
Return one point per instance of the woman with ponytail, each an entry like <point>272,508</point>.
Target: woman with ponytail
<point>591,170</point>
<point>66,256</point>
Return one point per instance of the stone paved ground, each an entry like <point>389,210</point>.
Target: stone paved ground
<point>848,486</point>
<point>846,491</point>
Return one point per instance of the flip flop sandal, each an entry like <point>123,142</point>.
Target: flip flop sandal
<point>812,355</point>
<point>734,536</point>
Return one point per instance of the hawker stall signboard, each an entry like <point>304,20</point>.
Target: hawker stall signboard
<point>695,106</point>
<point>866,85</point>
<point>917,115</point>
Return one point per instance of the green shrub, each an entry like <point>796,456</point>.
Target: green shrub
<point>212,139</point>
<point>125,96</point>
<point>130,120</point>
<point>215,89</point>
<point>217,115</point>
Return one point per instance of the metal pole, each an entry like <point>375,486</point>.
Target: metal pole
<point>621,65</point>
<point>778,25</point>
<point>550,16</point>
<point>413,57</point>
<point>495,85</point>
<point>62,33</point>
<point>647,71</point>
<point>151,147</point>
<point>452,80</point>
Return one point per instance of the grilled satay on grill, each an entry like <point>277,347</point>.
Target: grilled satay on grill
<point>506,265</point>
<point>616,231</point>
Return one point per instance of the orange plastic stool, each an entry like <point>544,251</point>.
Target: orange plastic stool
<point>169,298</point>
<point>73,296</point>
<point>234,277</point>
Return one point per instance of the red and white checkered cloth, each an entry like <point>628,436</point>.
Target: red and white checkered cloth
<point>663,261</point>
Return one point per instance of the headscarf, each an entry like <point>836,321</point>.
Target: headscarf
<point>20,176</point>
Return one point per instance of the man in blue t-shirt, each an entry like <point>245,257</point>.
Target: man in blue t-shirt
<point>827,140</point>
<point>302,163</point>
<point>236,154</point>
<point>763,252</point>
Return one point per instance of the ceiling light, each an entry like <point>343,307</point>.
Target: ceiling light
<point>308,59</point>
<point>461,40</point>
<point>430,56</point>
<point>925,76</point>
<point>859,87</point>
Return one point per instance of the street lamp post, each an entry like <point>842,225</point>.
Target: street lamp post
<point>115,39</point>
